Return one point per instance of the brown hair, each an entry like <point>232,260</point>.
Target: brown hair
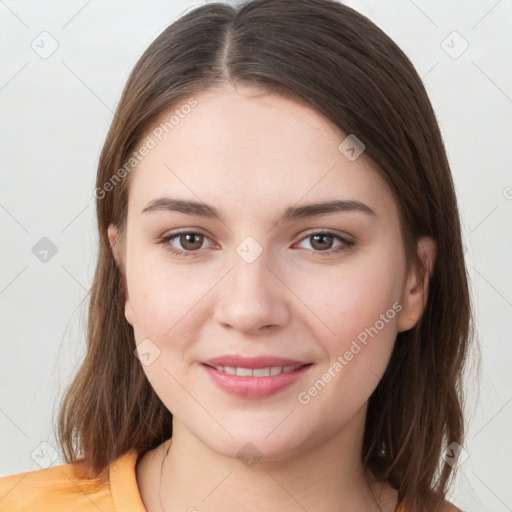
<point>335,60</point>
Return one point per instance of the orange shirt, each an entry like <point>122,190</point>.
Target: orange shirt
<point>64,488</point>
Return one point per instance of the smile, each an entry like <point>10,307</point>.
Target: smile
<point>256,372</point>
<point>255,383</point>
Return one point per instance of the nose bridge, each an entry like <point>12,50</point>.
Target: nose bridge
<point>251,296</point>
<point>250,277</point>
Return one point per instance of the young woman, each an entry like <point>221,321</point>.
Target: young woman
<point>280,314</point>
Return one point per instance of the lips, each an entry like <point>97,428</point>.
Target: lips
<point>253,362</point>
<point>255,387</point>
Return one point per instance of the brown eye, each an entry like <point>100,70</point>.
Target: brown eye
<point>327,243</point>
<point>191,241</point>
<point>321,241</point>
<point>186,243</point>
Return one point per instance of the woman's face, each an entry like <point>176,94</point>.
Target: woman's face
<point>268,277</point>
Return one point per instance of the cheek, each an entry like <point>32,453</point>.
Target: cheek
<point>166,305</point>
<point>357,313</point>
<point>163,297</point>
<point>351,298</point>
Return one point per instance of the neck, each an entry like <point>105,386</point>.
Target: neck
<point>329,476</point>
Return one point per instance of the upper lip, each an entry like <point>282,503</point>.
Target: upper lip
<point>253,362</point>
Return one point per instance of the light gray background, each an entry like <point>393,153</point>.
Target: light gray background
<point>55,113</point>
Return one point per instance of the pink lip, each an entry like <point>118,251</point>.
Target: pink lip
<point>255,387</point>
<point>253,362</point>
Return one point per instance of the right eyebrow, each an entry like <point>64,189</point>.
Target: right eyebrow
<point>183,206</point>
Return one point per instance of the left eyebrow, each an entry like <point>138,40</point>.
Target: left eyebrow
<point>317,209</point>
<point>291,213</point>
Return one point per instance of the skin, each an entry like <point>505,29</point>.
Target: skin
<point>251,154</point>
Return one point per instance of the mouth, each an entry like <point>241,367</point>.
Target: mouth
<point>268,371</point>
<point>255,383</point>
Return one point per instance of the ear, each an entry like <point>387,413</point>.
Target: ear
<point>415,293</point>
<point>113,237</point>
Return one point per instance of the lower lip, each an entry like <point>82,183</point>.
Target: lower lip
<point>254,387</point>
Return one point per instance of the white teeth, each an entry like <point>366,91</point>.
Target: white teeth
<point>261,372</point>
<point>256,372</point>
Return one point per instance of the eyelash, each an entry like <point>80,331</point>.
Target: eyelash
<point>346,244</point>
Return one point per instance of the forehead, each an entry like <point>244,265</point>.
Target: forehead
<point>251,146</point>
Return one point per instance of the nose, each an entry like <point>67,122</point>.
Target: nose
<point>252,297</point>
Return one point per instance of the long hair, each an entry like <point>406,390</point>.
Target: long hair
<point>335,60</point>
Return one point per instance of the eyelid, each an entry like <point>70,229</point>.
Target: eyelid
<point>186,231</point>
